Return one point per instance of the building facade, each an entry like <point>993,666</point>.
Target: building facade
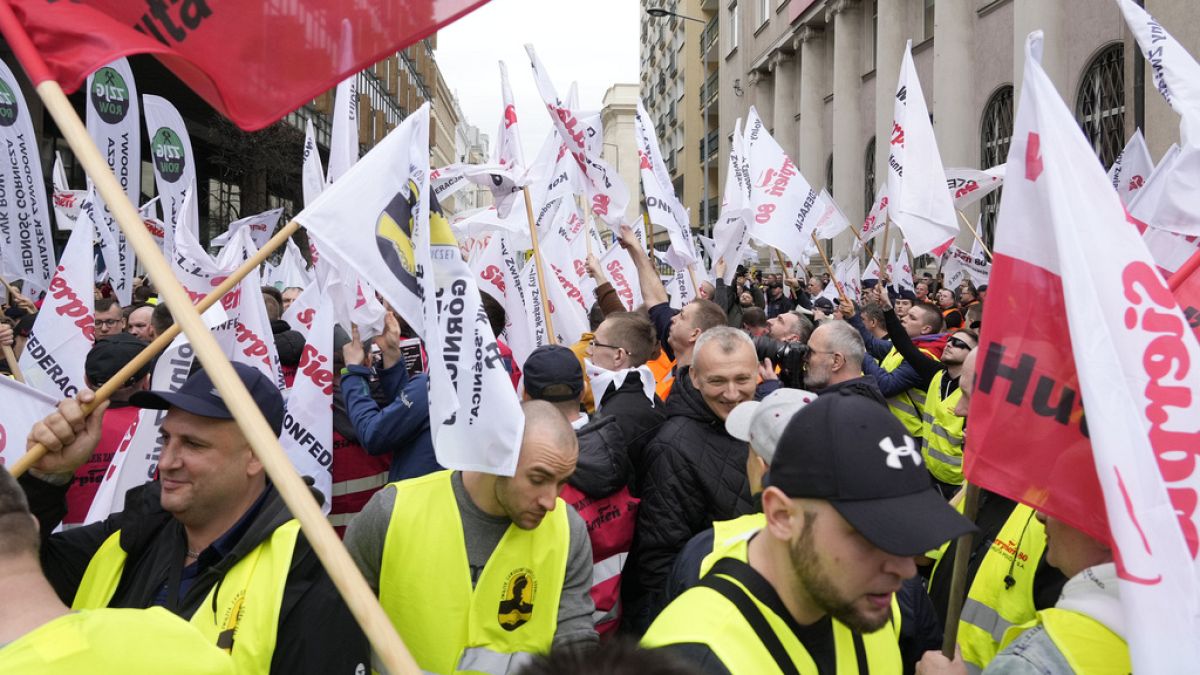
<point>679,90</point>
<point>620,142</point>
<point>822,75</point>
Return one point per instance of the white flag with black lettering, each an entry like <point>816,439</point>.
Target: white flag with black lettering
<point>731,234</point>
<point>114,123</point>
<point>784,208</point>
<point>1175,72</point>
<point>343,138</point>
<point>174,162</point>
<point>28,252</point>
<point>1131,168</point>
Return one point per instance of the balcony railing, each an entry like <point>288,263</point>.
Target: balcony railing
<point>708,37</point>
<point>709,145</point>
<point>708,90</point>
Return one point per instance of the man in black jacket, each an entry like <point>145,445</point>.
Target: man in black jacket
<point>211,510</point>
<point>697,471</point>
<point>622,385</point>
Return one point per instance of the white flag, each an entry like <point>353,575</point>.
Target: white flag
<point>920,204</point>
<point>381,215</point>
<point>784,208</point>
<point>618,267</point>
<point>960,266</point>
<point>968,186</point>
<point>261,226</point>
<point>113,121</point>
<point>1148,207</point>
<point>508,138</point>
<point>1121,316</point>
<point>312,174</point>
<point>307,436</point>
<point>606,191</point>
<point>65,328</point>
<point>498,275</point>
<point>66,200</point>
<point>662,206</point>
<point>25,244</point>
<point>174,162</point>
<point>343,139</point>
<point>23,407</point>
<point>254,342</point>
<point>1176,74</point>
<point>871,272</point>
<point>876,220</point>
<point>900,271</point>
<point>1132,168</point>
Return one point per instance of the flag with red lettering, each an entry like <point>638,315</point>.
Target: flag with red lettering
<point>968,186</point>
<point>229,53</point>
<point>499,276</point>
<point>1131,168</point>
<point>261,226</point>
<point>307,436</point>
<point>1176,74</point>
<point>1125,473</point>
<point>784,208</point>
<point>606,192</point>
<point>900,271</point>
<point>662,206</point>
<point>23,407</point>
<point>618,267</point>
<point>920,204</point>
<point>254,341</point>
<point>65,328</point>
<point>876,220</point>
<point>508,139</point>
<point>959,266</point>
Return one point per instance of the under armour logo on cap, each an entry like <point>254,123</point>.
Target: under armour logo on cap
<point>894,453</point>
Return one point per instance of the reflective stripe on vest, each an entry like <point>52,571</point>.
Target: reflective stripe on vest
<point>360,484</point>
<point>484,660</point>
<point>242,618</point>
<point>992,606</point>
<point>943,433</point>
<point>608,568</point>
<point>512,608</point>
<point>1087,645</point>
<point>906,405</point>
<point>701,615</point>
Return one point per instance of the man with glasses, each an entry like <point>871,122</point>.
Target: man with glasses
<point>109,318</point>
<point>834,362</point>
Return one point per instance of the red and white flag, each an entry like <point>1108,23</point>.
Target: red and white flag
<point>876,220</point>
<point>1126,474</point>
<point>498,275</point>
<point>65,328</point>
<point>1185,284</point>
<point>662,205</point>
<point>959,266</point>
<point>1170,249</point>
<point>618,267</point>
<point>508,139</point>
<point>582,135</point>
<point>308,422</point>
<point>731,236</point>
<point>920,204</point>
<point>219,49</point>
<point>1131,168</point>
<point>784,208</point>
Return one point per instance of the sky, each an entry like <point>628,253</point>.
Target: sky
<point>592,42</point>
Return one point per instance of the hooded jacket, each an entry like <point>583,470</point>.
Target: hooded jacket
<point>317,633</point>
<point>696,475</point>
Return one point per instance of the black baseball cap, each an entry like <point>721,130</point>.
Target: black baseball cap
<point>852,452</point>
<point>109,355</point>
<point>824,304</point>
<point>198,396</point>
<point>552,373</point>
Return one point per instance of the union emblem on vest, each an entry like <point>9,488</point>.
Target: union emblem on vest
<point>516,599</point>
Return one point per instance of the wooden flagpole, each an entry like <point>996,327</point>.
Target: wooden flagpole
<point>537,261</point>
<point>265,443</point>
<point>958,579</point>
<point>164,340</point>
<point>882,267</point>
<point>832,277</point>
<point>975,234</point>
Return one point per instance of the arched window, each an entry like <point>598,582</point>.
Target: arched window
<point>994,137</point>
<point>1100,103</point>
<point>869,175</point>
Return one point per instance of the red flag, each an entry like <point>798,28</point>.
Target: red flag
<point>253,61</point>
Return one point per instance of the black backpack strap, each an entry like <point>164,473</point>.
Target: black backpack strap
<point>860,653</point>
<point>716,580</point>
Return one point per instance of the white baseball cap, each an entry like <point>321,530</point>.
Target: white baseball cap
<point>761,423</point>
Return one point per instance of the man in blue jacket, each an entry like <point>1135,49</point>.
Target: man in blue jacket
<point>400,426</point>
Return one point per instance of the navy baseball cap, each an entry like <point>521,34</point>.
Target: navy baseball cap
<point>198,396</point>
<point>851,451</point>
<point>553,373</point>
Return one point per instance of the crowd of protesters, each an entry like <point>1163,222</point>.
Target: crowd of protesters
<point>765,480</point>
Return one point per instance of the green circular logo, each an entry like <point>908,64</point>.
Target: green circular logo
<point>8,105</point>
<point>169,158</point>
<point>110,95</point>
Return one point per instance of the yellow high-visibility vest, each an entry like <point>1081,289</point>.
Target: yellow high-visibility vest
<point>425,583</point>
<point>1087,645</point>
<point>906,405</point>
<point>942,432</point>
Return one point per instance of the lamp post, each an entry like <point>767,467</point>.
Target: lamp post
<point>658,13</point>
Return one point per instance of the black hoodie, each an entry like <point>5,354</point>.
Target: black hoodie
<point>696,475</point>
<point>317,633</point>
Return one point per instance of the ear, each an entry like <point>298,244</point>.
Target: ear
<point>777,507</point>
<point>254,466</point>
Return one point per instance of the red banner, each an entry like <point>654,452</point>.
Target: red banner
<point>252,60</point>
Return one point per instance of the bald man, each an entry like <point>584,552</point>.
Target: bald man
<point>479,571</point>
